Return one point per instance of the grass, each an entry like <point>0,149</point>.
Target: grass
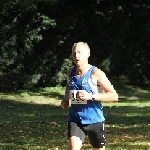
<point>33,120</point>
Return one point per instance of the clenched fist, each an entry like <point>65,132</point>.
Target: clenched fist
<point>64,104</point>
<point>83,95</point>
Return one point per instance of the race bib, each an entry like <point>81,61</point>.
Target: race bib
<point>74,98</point>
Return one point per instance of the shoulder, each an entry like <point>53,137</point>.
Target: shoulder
<point>70,70</point>
<point>98,72</point>
<point>102,80</point>
<point>68,75</point>
<point>100,76</point>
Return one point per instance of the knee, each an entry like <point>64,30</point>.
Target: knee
<point>75,143</point>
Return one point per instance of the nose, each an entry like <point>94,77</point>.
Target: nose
<point>76,55</point>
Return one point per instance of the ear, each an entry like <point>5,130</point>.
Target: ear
<point>88,54</point>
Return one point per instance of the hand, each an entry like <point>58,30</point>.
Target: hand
<point>64,104</point>
<point>83,95</point>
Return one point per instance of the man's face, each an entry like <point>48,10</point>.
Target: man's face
<point>80,55</point>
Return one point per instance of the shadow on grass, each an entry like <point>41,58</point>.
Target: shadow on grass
<point>27,126</point>
<point>49,94</point>
<point>127,115</point>
<point>24,126</point>
<point>128,92</point>
<point>128,127</point>
<point>52,95</point>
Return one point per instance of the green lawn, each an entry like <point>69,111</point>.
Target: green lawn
<point>33,120</point>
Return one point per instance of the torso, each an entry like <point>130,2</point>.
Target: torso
<point>85,109</point>
<point>84,71</point>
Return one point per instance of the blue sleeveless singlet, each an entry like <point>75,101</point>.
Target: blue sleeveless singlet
<point>90,111</point>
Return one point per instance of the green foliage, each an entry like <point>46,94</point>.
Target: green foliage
<point>8,51</point>
<point>105,65</point>
<point>37,36</point>
<point>61,76</point>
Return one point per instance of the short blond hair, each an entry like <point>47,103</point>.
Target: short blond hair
<point>75,45</point>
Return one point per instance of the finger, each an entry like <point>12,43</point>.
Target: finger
<point>79,91</point>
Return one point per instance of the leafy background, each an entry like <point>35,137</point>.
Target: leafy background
<point>37,36</point>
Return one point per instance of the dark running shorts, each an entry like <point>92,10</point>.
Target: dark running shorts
<point>96,132</point>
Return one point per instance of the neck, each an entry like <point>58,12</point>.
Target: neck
<point>83,69</point>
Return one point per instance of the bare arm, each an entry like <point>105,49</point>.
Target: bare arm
<point>65,101</point>
<point>109,91</point>
<point>67,93</point>
<point>99,78</point>
<point>66,96</point>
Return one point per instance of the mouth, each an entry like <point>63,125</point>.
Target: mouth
<point>76,60</point>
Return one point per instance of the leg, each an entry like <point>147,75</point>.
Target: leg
<point>76,135</point>
<point>96,133</point>
<point>75,143</point>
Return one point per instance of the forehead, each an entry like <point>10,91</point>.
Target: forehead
<point>81,48</point>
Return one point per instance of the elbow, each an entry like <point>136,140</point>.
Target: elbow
<point>116,97</point>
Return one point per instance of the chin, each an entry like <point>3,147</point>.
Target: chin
<point>77,64</point>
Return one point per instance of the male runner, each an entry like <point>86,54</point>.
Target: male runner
<point>87,86</point>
